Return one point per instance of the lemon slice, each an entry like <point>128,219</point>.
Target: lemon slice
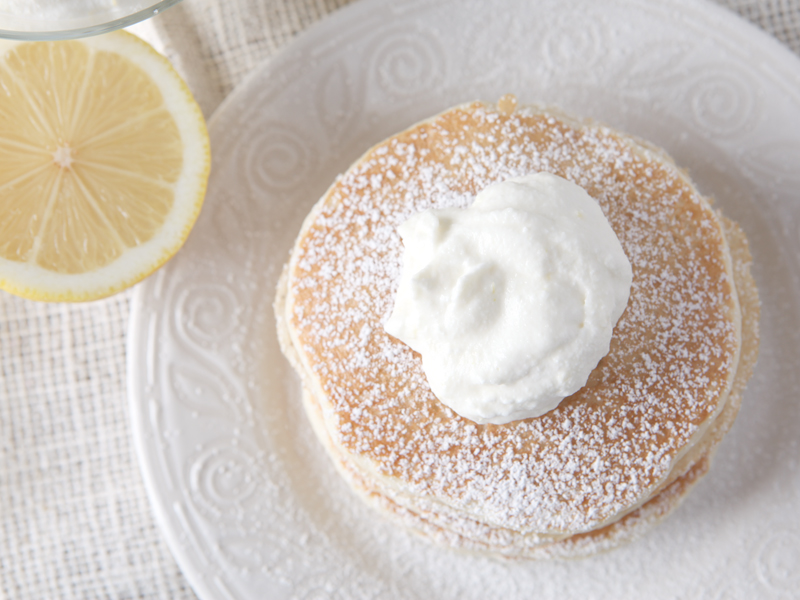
<point>104,160</point>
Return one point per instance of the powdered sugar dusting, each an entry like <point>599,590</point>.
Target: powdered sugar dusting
<point>603,450</point>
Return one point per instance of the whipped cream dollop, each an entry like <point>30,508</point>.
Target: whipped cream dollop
<point>512,301</point>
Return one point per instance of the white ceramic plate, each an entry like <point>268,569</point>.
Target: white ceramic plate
<point>247,499</point>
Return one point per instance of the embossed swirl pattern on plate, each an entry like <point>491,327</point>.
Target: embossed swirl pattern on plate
<point>279,158</point>
<point>724,101</point>
<point>574,43</point>
<point>778,561</point>
<point>208,312</point>
<point>407,64</point>
<point>223,477</point>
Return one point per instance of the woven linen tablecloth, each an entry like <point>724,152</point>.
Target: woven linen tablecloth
<point>74,516</point>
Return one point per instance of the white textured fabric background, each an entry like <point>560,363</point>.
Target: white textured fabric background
<point>74,518</point>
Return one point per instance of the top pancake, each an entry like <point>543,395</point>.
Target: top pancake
<point>605,449</point>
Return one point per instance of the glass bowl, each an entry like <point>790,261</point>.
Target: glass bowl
<point>67,19</point>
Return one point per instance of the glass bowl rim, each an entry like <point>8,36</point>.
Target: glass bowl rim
<point>89,29</point>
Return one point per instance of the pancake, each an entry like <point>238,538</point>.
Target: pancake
<point>609,459</point>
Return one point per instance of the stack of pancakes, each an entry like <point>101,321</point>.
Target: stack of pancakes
<point>612,458</point>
